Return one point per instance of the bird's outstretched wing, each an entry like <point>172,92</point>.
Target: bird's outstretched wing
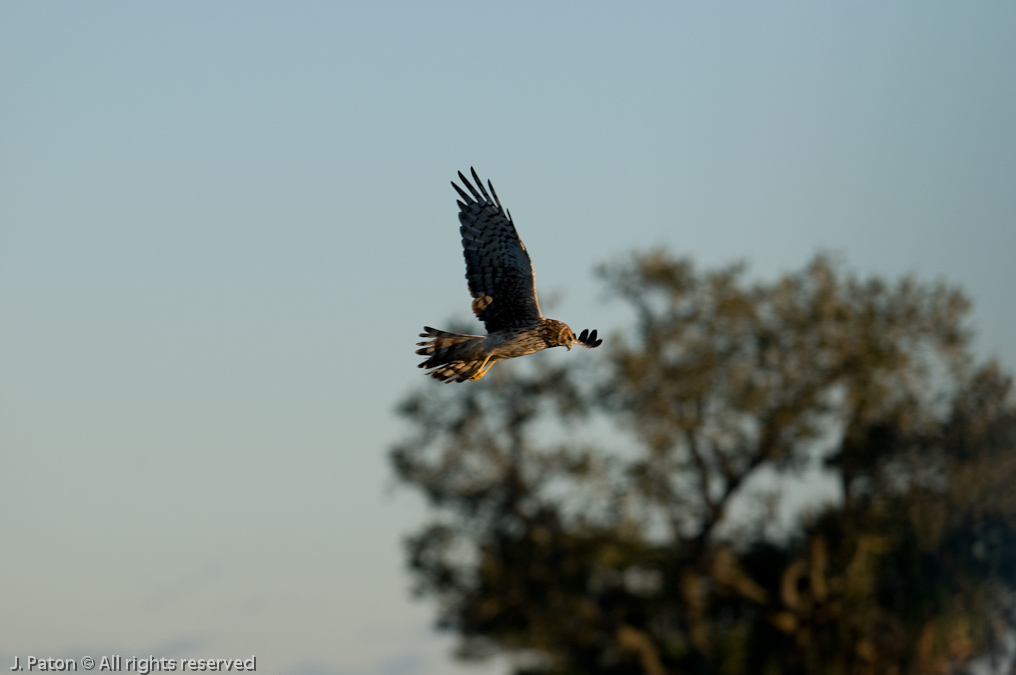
<point>498,268</point>
<point>587,339</point>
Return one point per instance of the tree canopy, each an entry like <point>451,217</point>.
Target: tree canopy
<point>629,514</point>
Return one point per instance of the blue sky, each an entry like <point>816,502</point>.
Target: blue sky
<point>222,226</point>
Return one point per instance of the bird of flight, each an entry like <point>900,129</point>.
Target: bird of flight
<point>500,277</point>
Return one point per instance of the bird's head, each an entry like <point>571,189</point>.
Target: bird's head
<point>560,335</point>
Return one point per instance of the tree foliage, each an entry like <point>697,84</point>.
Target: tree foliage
<point>629,514</point>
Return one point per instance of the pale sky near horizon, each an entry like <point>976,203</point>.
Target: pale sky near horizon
<point>223,224</point>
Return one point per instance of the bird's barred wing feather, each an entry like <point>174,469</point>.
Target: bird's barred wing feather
<point>498,268</point>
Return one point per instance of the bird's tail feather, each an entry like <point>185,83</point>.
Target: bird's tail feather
<point>453,356</point>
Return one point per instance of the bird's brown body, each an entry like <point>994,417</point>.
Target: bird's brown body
<point>500,277</point>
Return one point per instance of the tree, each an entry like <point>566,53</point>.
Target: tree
<point>618,518</point>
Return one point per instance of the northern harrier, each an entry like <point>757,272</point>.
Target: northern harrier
<point>500,277</point>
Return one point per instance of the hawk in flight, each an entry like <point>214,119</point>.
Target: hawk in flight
<point>500,277</point>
